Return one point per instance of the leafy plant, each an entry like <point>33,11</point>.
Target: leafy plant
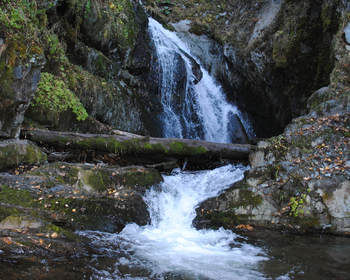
<point>166,10</point>
<point>54,95</point>
<point>88,9</point>
<point>296,205</point>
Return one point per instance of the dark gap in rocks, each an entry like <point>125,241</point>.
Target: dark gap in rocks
<point>62,7</point>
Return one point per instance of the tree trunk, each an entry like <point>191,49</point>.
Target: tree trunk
<point>127,144</point>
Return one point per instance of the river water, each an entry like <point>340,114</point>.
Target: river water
<point>170,248</point>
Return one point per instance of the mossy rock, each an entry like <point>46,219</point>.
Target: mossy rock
<point>21,221</point>
<point>102,213</point>
<point>92,180</point>
<point>218,219</point>
<point>137,176</point>
<point>20,152</point>
<point>97,180</point>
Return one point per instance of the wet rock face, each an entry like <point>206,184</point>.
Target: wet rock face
<point>100,51</point>
<point>237,131</point>
<point>301,176</point>
<point>269,56</point>
<point>17,87</point>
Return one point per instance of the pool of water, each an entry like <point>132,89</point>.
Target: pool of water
<point>302,257</point>
<point>285,256</point>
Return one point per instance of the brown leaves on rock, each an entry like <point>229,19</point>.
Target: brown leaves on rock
<point>328,158</point>
<point>7,240</point>
<point>245,227</point>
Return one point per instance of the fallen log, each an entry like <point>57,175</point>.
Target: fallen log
<point>131,144</point>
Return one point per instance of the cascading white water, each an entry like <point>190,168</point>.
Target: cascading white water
<point>195,111</point>
<point>170,248</point>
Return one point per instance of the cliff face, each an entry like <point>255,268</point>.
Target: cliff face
<point>100,70</point>
<point>284,62</point>
<point>94,57</point>
<point>270,56</point>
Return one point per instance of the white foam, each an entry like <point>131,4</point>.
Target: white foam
<point>170,244</point>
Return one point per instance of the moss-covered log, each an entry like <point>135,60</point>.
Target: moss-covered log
<point>130,144</point>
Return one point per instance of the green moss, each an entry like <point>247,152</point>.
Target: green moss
<point>94,213</point>
<point>73,173</point>
<point>142,177</point>
<point>18,21</point>
<point>183,149</point>
<point>34,155</point>
<point>62,231</point>
<point>53,95</point>
<point>94,179</point>
<point>227,219</point>
<point>6,72</point>
<point>247,198</point>
<point>60,179</point>
<point>306,222</point>
<point>8,211</point>
<point>12,155</point>
<point>199,29</point>
<point>24,243</point>
<point>120,147</point>
<point>17,197</point>
<point>41,18</point>
<point>48,184</point>
<point>327,195</point>
<point>148,146</point>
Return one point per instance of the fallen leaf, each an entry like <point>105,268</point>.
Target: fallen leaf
<point>7,240</point>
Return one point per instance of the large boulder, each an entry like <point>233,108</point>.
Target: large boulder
<point>14,153</point>
<point>84,196</point>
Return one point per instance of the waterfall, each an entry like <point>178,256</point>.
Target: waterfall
<point>170,248</point>
<point>194,106</point>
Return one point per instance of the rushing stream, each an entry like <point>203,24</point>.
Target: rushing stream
<point>170,248</point>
